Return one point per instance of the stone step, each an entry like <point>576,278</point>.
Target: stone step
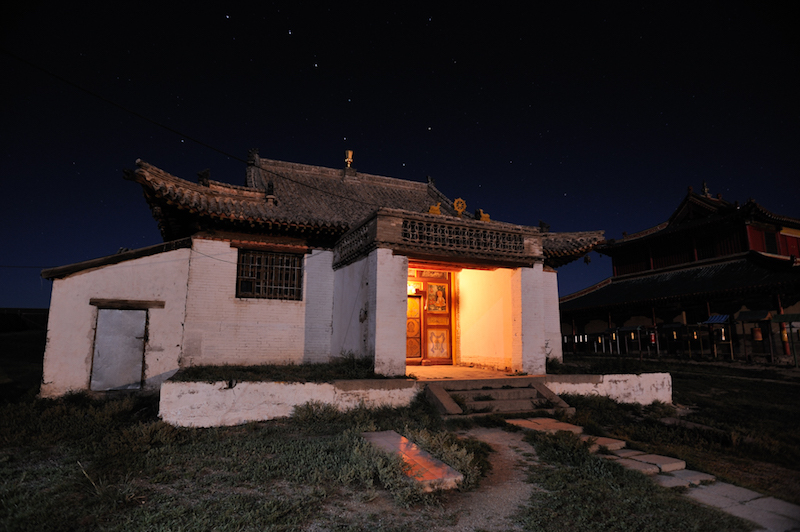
<point>497,394</point>
<point>649,464</point>
<point>432,473</point>
<point>599,441</point>
<point>684,478</point>
<point>545,424</point>
<point>506,405</point>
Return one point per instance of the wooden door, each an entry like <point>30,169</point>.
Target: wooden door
<point>429,322</point>
<point>414,330</point>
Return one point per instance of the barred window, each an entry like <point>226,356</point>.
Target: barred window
<point>269,275</point>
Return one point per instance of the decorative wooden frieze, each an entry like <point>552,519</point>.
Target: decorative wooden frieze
<point>429,235</point>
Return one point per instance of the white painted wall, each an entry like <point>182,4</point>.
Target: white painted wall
<point>350,309</point>
<point>644,388</point>
<point>391,304</point>
<point>223,329</point>
<point>485,307</point>
<point>529,320</point>
<point>72,321</point>
<point>200,404</point>
<point>552,315</point>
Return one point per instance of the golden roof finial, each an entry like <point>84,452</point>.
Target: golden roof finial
<point>435,209</point>
<point>348,158</point>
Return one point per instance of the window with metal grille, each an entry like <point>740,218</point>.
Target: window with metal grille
<point>269,275</point>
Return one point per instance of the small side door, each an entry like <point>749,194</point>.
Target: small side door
<point>118,350</point>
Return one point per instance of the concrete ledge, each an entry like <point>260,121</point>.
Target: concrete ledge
<point>203,404</point>
<point>644,388</point>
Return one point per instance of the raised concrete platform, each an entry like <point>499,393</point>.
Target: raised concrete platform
<point>431,473</point>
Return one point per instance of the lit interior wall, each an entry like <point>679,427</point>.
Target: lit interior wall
<point>485,317</point>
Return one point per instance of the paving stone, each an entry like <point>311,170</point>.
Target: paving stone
<point>766,520</point>
<point>430,472</point>
<point>627,453</point>
<point>664,463</point>
<point>545,424</point>
<point>599,441</point>
<point>694,478</point>
<point>644,467</point>
<point>776,506</point>
<point>727,491</point>
<point>668,481</point>
<point>768,512</point>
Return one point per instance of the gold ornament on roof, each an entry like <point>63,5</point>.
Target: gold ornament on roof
<point>435,209</point>
<point>460,206</point>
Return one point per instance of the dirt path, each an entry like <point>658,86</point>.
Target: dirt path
<point>502,492</point>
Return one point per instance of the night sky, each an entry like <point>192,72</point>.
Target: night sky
<point>583,115</point>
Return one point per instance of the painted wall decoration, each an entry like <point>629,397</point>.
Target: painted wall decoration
<point>438,343</point>
<point>437,297</point>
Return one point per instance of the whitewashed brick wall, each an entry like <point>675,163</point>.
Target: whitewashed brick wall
<point>552,316</point>
<point>223,329</point>
<point>391,305</point>
<point>369,311</point>
<point>72,320</point>
<point>530,320</point>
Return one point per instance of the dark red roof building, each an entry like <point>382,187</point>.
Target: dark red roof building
<point>712,261</point>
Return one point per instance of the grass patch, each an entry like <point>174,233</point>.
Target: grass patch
<point>79,463</point>
<point>345,367</point>
<point>582,492</point>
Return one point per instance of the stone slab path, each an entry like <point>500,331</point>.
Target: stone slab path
<point>772,514</point>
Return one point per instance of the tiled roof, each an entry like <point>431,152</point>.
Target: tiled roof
<point>697,211</point>
<point>751,272</point>
<point>302,199</point>
<point>563,248</point>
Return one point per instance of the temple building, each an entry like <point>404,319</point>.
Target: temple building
<point>301,264</point>
<point>716,279</point>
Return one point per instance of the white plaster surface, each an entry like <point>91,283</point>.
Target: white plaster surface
<point>532,320</point>
<point>223,329</point>
<point>644,388</point>
<point>391,306</point>
<point>72,320</point>
<point>350,309</point>
<point>552,315</point>
<point>484,319</point>
<point>199,404</point>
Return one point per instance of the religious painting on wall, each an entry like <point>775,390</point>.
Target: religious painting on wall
<point>437,297</point>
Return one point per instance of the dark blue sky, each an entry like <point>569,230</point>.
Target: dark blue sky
<point>586,116</point>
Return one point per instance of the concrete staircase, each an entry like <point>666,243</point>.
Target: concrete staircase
<point>495,396</point>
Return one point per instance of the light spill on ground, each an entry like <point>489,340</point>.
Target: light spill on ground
<point>489,508</point>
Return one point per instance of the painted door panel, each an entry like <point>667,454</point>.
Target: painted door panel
<point>118,350</point>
